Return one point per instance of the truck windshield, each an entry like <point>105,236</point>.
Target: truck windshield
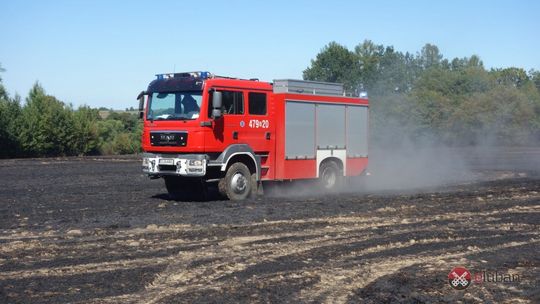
<point>174,106</point>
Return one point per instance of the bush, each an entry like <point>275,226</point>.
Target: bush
<point>119,137</point>
<point>86,129</point>
<point>47,126</point>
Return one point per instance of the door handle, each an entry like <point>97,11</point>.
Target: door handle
<point>235,134</point>
<point>267,135</point>
<point>207,123</point>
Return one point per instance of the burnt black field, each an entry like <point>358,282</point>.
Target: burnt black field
<point>95,230</point>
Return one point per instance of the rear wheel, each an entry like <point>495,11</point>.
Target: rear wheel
<point>237,183</point>
<point>330,176</point>
<point>182,188</point>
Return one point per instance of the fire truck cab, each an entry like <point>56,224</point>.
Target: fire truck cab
<point>201,128</point>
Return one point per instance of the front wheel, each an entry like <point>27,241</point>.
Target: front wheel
<point>237,183</point>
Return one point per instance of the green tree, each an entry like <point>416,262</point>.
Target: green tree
<point>3,93</point>
<point>108,129</point>
<point>368,55</point>
<point>10,110</point>
<point>124,143</point>
<point>129,120</point>
<point>335,63</point>
<point>10,113</point>
<point>504,114</point>
<point>535,78</point>
<point>430,56</point>
<point>511,76</point>
<point>428,97</point>
<point>86,130</point>
<point>47,125</point>
<point>120,133</point>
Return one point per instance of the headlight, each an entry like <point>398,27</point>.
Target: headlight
<point>195,162</point>
<point>145,163</point>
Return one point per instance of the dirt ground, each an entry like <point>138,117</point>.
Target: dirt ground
<point>95,230</point>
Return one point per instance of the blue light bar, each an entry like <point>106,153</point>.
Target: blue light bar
<point>202,75</point>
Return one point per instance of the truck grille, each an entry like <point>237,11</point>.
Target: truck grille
<point>178,139</point>
<point>167,168</point>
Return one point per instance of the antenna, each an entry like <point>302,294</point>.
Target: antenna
<point>174,68</point>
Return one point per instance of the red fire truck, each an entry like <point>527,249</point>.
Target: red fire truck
<point>201,128</point>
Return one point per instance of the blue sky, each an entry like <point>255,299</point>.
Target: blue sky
<point>103,53</point>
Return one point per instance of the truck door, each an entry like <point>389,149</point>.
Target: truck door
<point>260,130</point>
<point>227,130</point>
<point>247,119</point>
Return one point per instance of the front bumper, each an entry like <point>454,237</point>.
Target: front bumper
<point>191,165</point>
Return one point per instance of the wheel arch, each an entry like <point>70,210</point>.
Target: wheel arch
<point>240,153</point>
<point>338,156</point>
<point>244,158</point>
<point>336,160</point>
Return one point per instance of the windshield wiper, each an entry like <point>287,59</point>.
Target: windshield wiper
<point>180,117</point>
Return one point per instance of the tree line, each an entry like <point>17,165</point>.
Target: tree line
<point>45,126</point>
<point>418,98</point>
<point>426,98</point>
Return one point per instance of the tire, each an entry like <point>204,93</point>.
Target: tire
<point>237,183</point>
<point>330,176</point>
<point>254,186</point>
<point>181,188</point>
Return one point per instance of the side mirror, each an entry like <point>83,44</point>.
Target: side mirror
<point>217,100</point>
<point>216,113</point>
<point>216,104</point>
<point>141,104</point>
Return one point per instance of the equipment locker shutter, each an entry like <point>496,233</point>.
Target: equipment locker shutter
<point>299,130</point>
<point>357,131</point>
<point>330,126</point>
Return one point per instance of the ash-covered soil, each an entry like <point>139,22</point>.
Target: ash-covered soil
<point>95,230</point>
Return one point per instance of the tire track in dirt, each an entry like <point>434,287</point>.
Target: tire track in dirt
<point>332,276</point>
<point>267,246</point>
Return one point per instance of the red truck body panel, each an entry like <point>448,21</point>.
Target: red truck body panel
<point>267,134</point>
